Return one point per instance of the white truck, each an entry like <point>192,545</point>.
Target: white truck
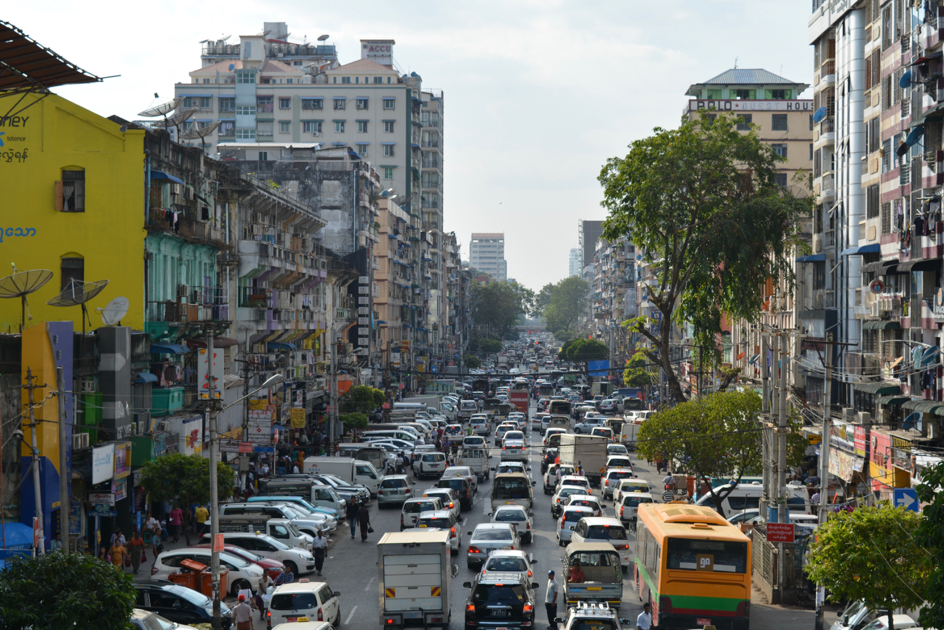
<point>414,578</point>
<point>588,451</point>
<point>431,402</point>
<point>346,468</point>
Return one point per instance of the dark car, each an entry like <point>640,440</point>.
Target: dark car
<point>500,599</point>
<point>462,487</point>
<point>179,603</point>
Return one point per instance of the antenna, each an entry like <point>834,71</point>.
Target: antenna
<point>22,283</point>
<point>735,63</point>
<point>115,311</point>
<point>163,109</point>
<point>201,133</point>
<point>77,293</point>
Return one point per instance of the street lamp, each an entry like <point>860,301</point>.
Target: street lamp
<point>214,490</point>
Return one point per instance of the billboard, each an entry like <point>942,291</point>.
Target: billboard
<point>598,368</point>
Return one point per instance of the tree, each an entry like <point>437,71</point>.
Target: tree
<point>872,554</point>
<point>541,300</point>
<point>497,305</point>
<point>568,301</point>
<point>362,399</point>
<point>637,373</point>
<point>930,535</point>
<point>354,421</point>
<point>581,350</point>
<point>185,479</point>
<point>65,590</point>
<point>703,206</point>
<point>472,362</point>
<point>564,335</point>
<point>490,346</point>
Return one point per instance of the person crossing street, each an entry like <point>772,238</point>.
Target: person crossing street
<point>320,547</point>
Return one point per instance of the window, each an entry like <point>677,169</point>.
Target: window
<point>338,126</point>
<point>389,102</point>
<point>361,126</point>
<point>819,276</point>
<point>388,172</point>
<point>714,94</point>
<point>263,156</point>
<point>245,134</point>
<point>745,94</point>
<point>227,104</point>
<point>875,139</point>
<point>285,126</point>
<point>780,179</point>
<point>361,103</point>
<point>872,201</point>
<point>886,218</point>
<point>289,80</point>
<point>340,103</point>
<point>312,103</point>
<point>345,79</point>
<point>362,150</point>
<point>227,128</point>
<point>811,151</point>
<point>72,268</point>
<point>245,76</point>
<point>811,122</point>
<point>285,103</point>
<point>779,122</point>
<point>744,122</point>
<point>201,102</point>
<point>245,110</point>
<point>264,129</point>
<point>378,79</point>
<point>780,149</point>
<point>887,155</point>
<point>388,150</point>
<point>334,79</point>
<point>721,556</point>
<point>388,126</point>
<point>264,104</point>
<point>311,126</point>
<point>71,191</point>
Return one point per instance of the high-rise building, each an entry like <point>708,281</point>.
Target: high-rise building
<point>574,262</point>
<point>587,234</point>
<point>487,254</point>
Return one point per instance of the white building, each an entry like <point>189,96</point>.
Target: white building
<point>576,258</point>
<point>487,254</point>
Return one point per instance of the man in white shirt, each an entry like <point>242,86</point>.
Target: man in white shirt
<point>550,600</point>
<point>644,620</point>
<point>320,547</point>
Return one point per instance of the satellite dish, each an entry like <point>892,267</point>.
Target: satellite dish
<point>914,136</point>
<point>21,284</point>
<point>177,119</point>
<point>323,38</point>
<point>902,149</point>
<point>198,133</point>
<point>115,311</point>
<point>819,114</point>
<point>905,80</point>
<point>163,109</point>
<point>77,293</point>
<point>232,66</point>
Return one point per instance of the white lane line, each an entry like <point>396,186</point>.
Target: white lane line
<point>349,615</point>
<point>463,522</point>
<point>369,582</point>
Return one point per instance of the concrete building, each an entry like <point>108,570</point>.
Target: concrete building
<point>487,254</point>
<point>587,234</point>
<point>574,261</point>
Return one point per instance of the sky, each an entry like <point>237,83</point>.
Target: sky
<point>538,94</point>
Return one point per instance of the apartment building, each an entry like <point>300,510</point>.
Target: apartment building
<point>587,234</point>
<point>487,254</point>
<point>573,262</point>
<point>613,295</point>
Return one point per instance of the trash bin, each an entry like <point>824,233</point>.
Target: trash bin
<point>204,581</point>
<point>185,578</point>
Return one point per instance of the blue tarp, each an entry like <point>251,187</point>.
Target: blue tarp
<point>873,248</point>
<point>145,377</point>
<point>169,348</point>
<point>162,175</point>
<point>18,540</point>
<point>280,345</point>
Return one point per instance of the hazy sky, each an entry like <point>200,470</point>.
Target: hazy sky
<point>538,93</point>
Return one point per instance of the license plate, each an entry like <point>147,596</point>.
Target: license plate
<point>422,525</point>
<point>295,619</point>
<point>703,622</point>
<point>500,613</point>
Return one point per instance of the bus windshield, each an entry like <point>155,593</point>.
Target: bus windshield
<point>707,555</point>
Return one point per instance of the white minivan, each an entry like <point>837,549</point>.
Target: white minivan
<point>746,496</point>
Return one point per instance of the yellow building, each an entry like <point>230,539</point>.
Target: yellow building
<point>73,203</point>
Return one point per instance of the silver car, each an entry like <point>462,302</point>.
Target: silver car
<point>394,489</point>
<point>488,537</point>
<point>510,562</point>
<point>517,515</point>
<point>568,520</point>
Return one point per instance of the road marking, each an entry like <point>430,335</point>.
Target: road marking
<point>349,615</point>
<point>461,524</point>
<point>367,588</point>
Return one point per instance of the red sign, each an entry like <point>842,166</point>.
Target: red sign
<point>780,532</point>
<point>218,542</point>
<point>860,441</point>
<point>703,622</point>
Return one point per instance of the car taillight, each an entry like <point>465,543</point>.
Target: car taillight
<point>527,525</point>
<point>407,491</point>
<point>401,519</point>
<point>153,569</point>
<point>470,608</point>
<point>380,493</point>
<point>606,483</point>
<point>474,549</point>
<point>451,504</point>
<point>453,530</point>
<point>320,615</point>
<point>527,607</point>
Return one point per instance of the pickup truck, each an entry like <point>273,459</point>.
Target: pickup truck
<point>279,528</point>
<point>414,577</point>
<point>475,458</point>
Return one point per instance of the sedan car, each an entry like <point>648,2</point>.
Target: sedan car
<point>616,449</point>
<point>177,604</point>
<point>612,479</point>
<point>462,471</point>
<point>488,537</point>
<point>412,508</point>
<point>558,499</point>
<point>518,516</point>
<point>511,467</point>
<point>444,520</point>
<point>504,561</point>
<point>585,500</point>
<point>578,481</point>
<point>300,561</point>
<point>448,496</point>
<point>479,426</point>
<point>242,574</point>
<point>568,520</point>
<point>273,568</point>
<point>608,406</point>
<point>502,430</point>
<point>394,489</point>
<point>500,600</point>
<point>589,424</point>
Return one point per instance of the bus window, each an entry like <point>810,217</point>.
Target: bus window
<point>704,555</point>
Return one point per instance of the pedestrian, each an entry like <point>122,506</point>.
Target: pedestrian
<point>351,514</point>
<point>363,518</point>
<point>295,469</point>
<point>201,514</point>
<point>176,521</point>
<point>118,555</point>
<point>644,620</point>
<point>320,547</point>
<point>668,481</point>
<point>550,601</point>
<point>153,527</point>
<point>135,550</point>
<point>242,614</point>
<point>103,555</point>
<point>55,544</point>
<point>118,537</point>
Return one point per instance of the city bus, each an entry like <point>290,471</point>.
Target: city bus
<point>692,566</point>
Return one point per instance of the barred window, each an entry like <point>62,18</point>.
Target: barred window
<point>875,137</point>
<point>886,218</point>
<point>872,201</point>
<point>886,93</point>
<point>887,156</point>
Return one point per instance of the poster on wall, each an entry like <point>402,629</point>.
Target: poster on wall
<point>119,489</point>
<point>103,463</point>
<point>122,460</point>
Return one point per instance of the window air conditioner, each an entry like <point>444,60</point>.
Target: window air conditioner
<point>316,133</point>
<point>88,385</point>
<point>80,440</point>
<point>865,417</point>
<point>175,189</point>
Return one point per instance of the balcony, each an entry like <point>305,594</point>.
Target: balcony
<point>193,304</point>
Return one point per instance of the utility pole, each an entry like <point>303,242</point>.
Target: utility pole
<point>214,490</point>
<point>765,411</point>
<point>41,546</point>
<point>333,417</point>
<point>824,474</point>
<point>782,459</point>
<point>65,498</point>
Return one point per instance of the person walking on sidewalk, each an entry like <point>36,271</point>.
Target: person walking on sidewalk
<point>242,614</point>
<point>550,600</point>
<point>201,514</point>
<point>176,521</point>
<point>320,547</point>
<point>118,555</point>
<point>363,518</point>
<point>351,514</point>
<point>135,549</point>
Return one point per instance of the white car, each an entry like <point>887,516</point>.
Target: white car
<point>585,500</point>
<point>429,465</point>
<point>514,446</point>
<point>611,479</point>
<point>627,486</point>
<point>304,601</point>
<point>298,560</point>
<point>518,516</point>
<point>412,508</point>
<point>479,426</point>
<point>511,466</point>
<point>616,449</point>
<point>507,561</point>
<point>557,501</point>
<point>462,471</point>
<point>578,481</point>
<point>448,496</point>
<point>242,574</point>
<point>568,520</point>
<point>444,520</point>
<point>502,430</point>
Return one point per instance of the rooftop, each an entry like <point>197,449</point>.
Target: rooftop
<point>747,77</point>
<point>365,66</point>
<point>25,63</point>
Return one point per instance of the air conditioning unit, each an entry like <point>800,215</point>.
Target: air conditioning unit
<point>848,414</point>
<point>181,290</point>
<point>175,189</point>
<point>87,385</point>
<point>316,133</point>
<point>162,427</point>
<point>865,417</point>
<point>873,308</point>
<point>80,440</point>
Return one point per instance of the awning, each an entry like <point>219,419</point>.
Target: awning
<point>929,406</point>
<point>878,388</point>
<point>882,267</point>
<point>913,403</point>
<point>218,342</point>
<point>168,348</point>
<point>162,175</point>
<point>926,58</point>
<point>145,377</point>
<point>278,345</point>
<point>28,64</point>
<point>812,258</point>
<point>881,325</point>
<point>893,399</point>
<point>872,248</point>
<point>922,264</point>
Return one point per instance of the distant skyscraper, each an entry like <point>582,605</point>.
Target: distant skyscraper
<point>587,234</point>
<point>575,262</point>
<point>487,254</point>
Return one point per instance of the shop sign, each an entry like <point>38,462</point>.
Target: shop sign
<point>75,518</point>
<point>815,439</point>
<point>860,442</point>
<point>780,532</point>
<point>119,488</point>
<point>122,460</point>
<point>101,498</point>
<point>841,464</point>
<point>901,458</point>
<point>103,463</point>
<point>298,418</point>
<point>938,306</point>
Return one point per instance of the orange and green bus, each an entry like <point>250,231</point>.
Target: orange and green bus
<point>693,567</point>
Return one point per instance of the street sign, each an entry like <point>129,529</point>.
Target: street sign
<point>906,498</point>
<point>815,439</point>
<point>780,532</point>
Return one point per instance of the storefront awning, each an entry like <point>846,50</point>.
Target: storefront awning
<point>145,377</point>
<point>168,348</point>
<point>882,267</point>
<point>878,388</point>
<point>922,264</point>
<point>162,175</point>
<point>218,342</point>
<point>893,399</point>
<point>812,258</point>
<point>881,325</point>
<point>873,248</point>
<point>912,404</point>
<point>281,346</point>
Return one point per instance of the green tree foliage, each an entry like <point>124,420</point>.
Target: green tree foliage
<point>714,436</point>
<point>362,399</point>
<point>566,302</point>
<point>637,372</point>
<point>497,305</point>
<point>872,554</point>
<point>564,336</point>
<point>541,300</point>
<point>491,346</point>
<point>354,421</point>
<point>185,479</point>
<point>60,590</point>
<point>472,362</point>
<point>930,535</point>
<point>581,350</point>
<point>703,201</point>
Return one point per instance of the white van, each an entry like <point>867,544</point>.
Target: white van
<point>746,496</point>
<point>406,435</point>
